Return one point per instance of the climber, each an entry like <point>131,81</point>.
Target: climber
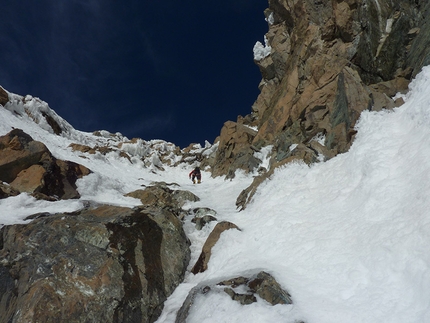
<point>195,174</point>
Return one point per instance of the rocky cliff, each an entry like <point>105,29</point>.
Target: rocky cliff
<point>323,62</point>
<point>102,264</point>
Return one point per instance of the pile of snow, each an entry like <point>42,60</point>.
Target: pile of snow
<point>270,19</point>
<point>348,238</point>
<point>261,51</point>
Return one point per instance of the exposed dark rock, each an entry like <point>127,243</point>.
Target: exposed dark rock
<point>4,97</point>
<point>202,211</point>
<point>182,315</point>
<point>419,54</point>
<point>261,284</point>
<point>265,286</point>
<point>202,221</point>
<point>54,125</point>
<point>6,190</point>
<point>109,264</point>
<point>164,184</point>
<point>203,216</point>
<point>244,299</point>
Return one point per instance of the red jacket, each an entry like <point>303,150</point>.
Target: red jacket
<point>195,173</point>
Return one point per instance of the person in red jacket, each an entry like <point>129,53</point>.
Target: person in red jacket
<point>195,174</point>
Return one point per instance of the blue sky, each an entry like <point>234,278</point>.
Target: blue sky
<point>150,69</point>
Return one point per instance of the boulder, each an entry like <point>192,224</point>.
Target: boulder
<point>30,180</point>
<point>161,195</point>
<point>69,173</point>
<point>202,221</point>
<point>109,264</point>
<point>28,166</point>
<point>241,289</point>
<point>202,263</point>
<point>261,284</point>
<point>202,216</point>
<point>265,286</point>
<point>18,152</point>
<point>202,211</point>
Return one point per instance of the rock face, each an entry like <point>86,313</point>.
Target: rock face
<point>28,166</point>
<point>109,264</point>
<point>4,97</point>
<point>323,64</point>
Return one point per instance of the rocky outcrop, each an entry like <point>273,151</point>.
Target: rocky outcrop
<point>19,151</point>
<point>159,195</point>
<point>6,190</point>
<point>202,263</point>
<point>248,193</point>
<point>202,216</point>
<point>262,284</point>
<point>28,166</point>
<point>4,97</point>
<point>103,150</point>
<point>419,54</point>
<point>108,264</point>
<point>324,62</point>
<point>235,149</point>
<point>202,221</point>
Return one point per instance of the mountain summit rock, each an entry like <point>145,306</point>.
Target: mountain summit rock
<point>324,63</point>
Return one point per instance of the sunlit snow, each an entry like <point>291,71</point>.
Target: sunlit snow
<point>261,51</point>
<point>348,238</point>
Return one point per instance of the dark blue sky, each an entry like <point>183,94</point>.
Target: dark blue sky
<point>172,70</point>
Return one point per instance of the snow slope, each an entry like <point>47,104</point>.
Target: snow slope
<point>348,238</point>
